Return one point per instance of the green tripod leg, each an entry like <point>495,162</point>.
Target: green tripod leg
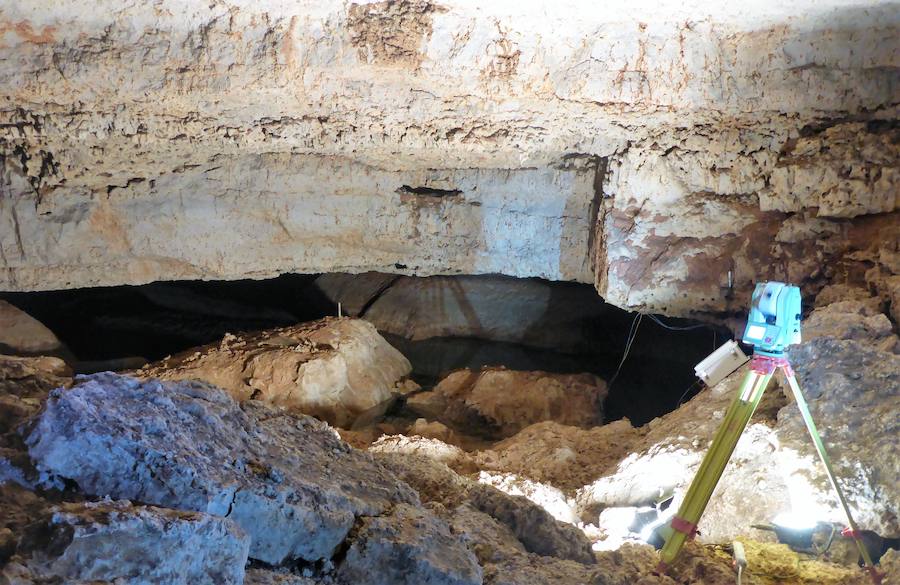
<point>823,456</point>
<point>736,418</point>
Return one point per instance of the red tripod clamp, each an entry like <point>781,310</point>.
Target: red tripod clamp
<point>681,525</point>
<point>766,364</point>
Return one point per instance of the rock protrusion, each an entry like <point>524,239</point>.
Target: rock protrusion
<point>409,546</point>
<point>506,401</point>
<point>534,527</point>
<point>287,480</point>
<point>339,370</point>
<point>117,542</point>
<point>22,334</point>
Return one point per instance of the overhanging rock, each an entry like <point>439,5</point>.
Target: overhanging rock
<point>651,149</point>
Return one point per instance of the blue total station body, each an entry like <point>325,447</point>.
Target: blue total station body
<point>774,321</point>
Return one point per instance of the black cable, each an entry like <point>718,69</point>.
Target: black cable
<point>632,333</point>
<point>674,328</point>
<point>686,392</point>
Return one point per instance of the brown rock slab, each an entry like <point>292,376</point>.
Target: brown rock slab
<point>22,334</point>
<point>339,370</point>
<point>503,402</point>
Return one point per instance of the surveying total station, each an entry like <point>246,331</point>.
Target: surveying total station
<point>773,325</point>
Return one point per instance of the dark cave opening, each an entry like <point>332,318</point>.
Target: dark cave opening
<point>576,331</point>
<point>163,318</point>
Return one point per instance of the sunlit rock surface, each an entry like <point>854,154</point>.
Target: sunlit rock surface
<point>850,379</point>
<point>340,370</point>
<point>647,147</point>
<point>286,480</point>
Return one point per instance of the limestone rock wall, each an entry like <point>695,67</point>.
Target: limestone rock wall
<point>646,147</point>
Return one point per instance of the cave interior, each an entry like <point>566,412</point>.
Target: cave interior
<point>403,292</point>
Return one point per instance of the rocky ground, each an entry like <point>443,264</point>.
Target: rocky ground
<point>207,467</point>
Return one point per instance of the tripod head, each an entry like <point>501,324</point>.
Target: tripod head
<point>774,320</point>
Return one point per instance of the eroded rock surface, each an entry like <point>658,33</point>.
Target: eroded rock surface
<point>649,149</point>
<point>286,480</point>
<point>533,528</point>
<point>340,370</point>
<point>407,547</point>
<point>116,542</point>
<point>24,385</point>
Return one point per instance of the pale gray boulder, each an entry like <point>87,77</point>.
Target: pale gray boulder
<point>116,542</point>
<point>286,479</point>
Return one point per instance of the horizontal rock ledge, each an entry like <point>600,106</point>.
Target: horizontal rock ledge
<point>650,150</point>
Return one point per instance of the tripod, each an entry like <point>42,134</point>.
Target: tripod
<point>762,367</point>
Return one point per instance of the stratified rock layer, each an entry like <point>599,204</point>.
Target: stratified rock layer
<point>651,149</point>
<point>288,481</point>
<point>340,370</point>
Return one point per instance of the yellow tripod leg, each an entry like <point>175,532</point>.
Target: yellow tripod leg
<point>823,456</point>
<point>713,464</point>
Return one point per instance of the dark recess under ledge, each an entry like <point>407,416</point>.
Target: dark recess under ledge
<point>164,318</point>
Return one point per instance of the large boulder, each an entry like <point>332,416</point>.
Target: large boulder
<point>114,542</point>
<point>117,542</point>
<point>22,334</point>
<point>503,402</point>
<point>410,546</point>
<point>287,480</point>
<point>339,370</point>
